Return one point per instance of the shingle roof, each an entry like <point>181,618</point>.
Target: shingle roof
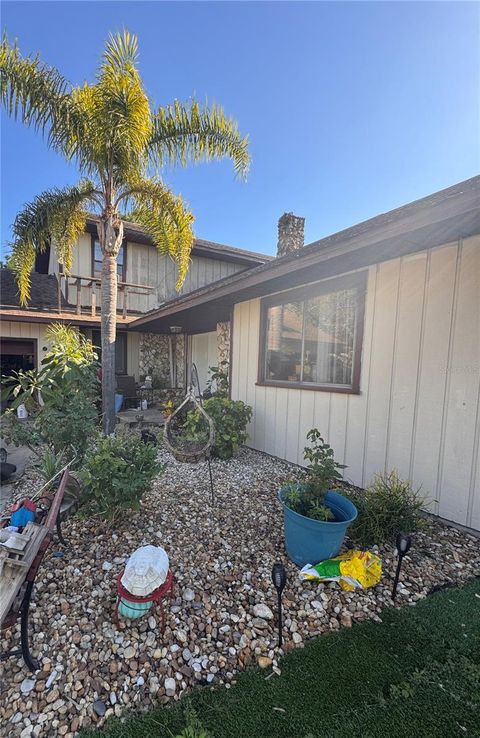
<point>43,293</point>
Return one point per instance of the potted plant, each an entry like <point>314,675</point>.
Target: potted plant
<point>316,517</point>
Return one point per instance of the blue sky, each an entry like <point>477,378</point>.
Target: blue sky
<point>351,108</point>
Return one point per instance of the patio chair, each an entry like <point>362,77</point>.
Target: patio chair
<point>127,387</point>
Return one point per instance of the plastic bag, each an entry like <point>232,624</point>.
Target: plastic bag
<point>22,413</point>
<point>145,570</point>
<point>353,570</point>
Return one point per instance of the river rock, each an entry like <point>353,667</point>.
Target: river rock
<point>262,611</point>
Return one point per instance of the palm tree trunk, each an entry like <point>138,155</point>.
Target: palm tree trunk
<point>108,333</point>
<point>110,233</point>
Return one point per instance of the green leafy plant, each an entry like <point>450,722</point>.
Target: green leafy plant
<point>389,505</point>
<point>194,727</point>
<point>218,384</point>
<point>308,496</point>
<point>60,396</point>
<point>117,471</point>
<point>49,463</point>
<point>230,418</point>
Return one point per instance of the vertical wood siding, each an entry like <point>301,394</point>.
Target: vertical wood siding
<point>17,329</point>
<point>204,354</point>
<point>145,265</point>
<point>419,406</point>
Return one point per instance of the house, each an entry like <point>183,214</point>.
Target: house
<point>146,281</point>
<point>372,335</point>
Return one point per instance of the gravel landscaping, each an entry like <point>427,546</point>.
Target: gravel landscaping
<point>221,619</point>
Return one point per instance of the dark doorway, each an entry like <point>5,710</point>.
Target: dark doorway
<point>17,354</point>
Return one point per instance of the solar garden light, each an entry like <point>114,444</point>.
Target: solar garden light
<point>403,544</point>
<point>279,579</point>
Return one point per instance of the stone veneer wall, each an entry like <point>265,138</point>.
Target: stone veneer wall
<point>154,357</point>
<point>154,353</point>
<point>290,234</point>
<point>223,342</point>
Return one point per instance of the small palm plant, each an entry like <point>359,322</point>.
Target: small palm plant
<point>120,144</point>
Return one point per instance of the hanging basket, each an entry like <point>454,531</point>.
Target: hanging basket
<point>183,448</point>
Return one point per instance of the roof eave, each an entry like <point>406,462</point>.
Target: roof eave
<point>448,215</point>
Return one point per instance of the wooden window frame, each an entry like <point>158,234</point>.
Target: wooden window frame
<point>92,257</point>
<point>356,280</point>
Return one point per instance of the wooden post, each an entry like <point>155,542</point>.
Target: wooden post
<point>59,292</point>
<point>125,301</point>
<point>79,296</point>
<point>94,301</point>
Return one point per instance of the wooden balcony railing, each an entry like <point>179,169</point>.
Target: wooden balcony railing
<point>82,293</point>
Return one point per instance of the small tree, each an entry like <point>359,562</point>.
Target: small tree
<point>60,396</point>
<point>119,143</point>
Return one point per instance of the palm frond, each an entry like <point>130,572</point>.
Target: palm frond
<point>182,134</point>
<point>121,52</point>
<point>118,110</point>
<point>58,215</point>
<point>166,218</point>
<point>40,96</point>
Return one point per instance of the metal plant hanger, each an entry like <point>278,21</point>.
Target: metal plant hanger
<point>185,448</point>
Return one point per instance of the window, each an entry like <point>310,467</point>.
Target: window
<point>120,350</point>
<point>97,260</point>
<point>312,336</point>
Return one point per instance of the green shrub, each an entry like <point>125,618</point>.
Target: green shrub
<point>307,497</point>
<point>389,505</point>
<point>60,396</point>
<point>117,471</point>
<point>218,383</point>
<point>230,418</point>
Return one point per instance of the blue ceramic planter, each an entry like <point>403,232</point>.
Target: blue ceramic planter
<point>118,402</point>
<point>309,541</point>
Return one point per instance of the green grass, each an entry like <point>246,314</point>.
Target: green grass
<point>415,674</point>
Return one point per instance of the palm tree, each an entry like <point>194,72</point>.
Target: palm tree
<point>120,144</point>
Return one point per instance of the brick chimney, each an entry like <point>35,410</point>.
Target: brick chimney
<point>290,234</point>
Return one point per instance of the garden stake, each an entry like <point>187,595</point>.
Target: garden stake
<point>211,479</point>
<point>279,578</point>
<point>403,544</point>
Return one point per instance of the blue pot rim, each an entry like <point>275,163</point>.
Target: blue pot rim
<point>321,522</point>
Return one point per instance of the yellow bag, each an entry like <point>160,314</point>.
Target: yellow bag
<point>353,570</point>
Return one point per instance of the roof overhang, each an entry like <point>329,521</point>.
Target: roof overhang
<point>446,216</point>
<point>43,316</point>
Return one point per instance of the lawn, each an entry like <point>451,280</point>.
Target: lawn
<point>415,674</point>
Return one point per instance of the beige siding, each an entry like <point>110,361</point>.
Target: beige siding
<point>133,354</point>
<point>13,329</point>
<point>419,407</point>
<point>146,266</point>
<point>204,354</point>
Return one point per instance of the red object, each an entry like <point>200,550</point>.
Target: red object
<point>156,597</point>
<point>27,504</point>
